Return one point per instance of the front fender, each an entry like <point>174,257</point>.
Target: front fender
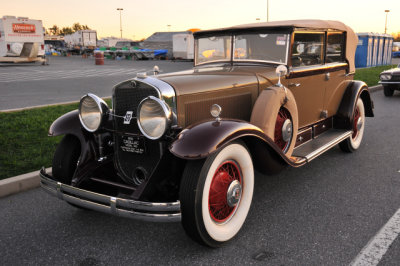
<point>202,139</point>
<point>69,124</point>
<point>66,124</point>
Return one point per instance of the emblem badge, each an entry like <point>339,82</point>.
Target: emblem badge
<point>128,117</point>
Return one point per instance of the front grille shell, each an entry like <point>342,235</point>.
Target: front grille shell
<point>126,97</point>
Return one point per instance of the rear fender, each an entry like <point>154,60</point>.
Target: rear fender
<point>356,89</point>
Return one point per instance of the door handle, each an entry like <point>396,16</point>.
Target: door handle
<point>328,76</point>
<point>294,84</point>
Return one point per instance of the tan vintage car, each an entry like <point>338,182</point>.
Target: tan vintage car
<point>184,146</point>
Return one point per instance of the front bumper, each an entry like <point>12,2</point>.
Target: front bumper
<point>140,210</point>
<point>389,82</point>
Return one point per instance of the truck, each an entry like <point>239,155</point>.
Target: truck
<point>81,41</point>
<point>183,46</point>
<point>21,40</point>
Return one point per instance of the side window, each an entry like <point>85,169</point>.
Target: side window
<point>308,49</point>
<point>335,48</point>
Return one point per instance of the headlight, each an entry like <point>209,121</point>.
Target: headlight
<point>91,110</point>
<point>153,117</point>
<point>386,77</point>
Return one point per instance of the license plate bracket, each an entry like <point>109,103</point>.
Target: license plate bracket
<point>133,144</point>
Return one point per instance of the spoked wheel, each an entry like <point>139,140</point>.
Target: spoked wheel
<point>354,141</point>
<point>216,195</point>
<point>283,129</point>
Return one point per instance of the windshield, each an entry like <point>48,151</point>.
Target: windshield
<point>264,47</point>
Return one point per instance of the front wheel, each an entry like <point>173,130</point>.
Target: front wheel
<point>216,195</point>
<point>352,143</point>
<point>66,158</point>
<point>388,91</point>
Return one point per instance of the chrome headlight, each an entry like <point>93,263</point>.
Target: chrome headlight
<point>153,117</point>
<point>91,111</point>
<point>386,77</point>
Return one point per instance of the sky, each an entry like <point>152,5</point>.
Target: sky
<point>141,18</point>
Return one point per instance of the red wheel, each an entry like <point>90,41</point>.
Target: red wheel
<point>283,129</point>
<point>216,195</point>
<point>225,191</point>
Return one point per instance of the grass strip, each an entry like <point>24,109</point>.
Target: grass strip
<point>25,145</point>
<point>371,75</point>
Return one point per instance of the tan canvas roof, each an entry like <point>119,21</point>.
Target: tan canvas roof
<point>352,38</point>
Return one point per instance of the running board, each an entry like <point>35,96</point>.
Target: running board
<point>315,147</point>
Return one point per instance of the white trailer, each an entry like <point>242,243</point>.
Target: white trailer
<point>21,40</point>
<point>82,38</point>
<point>183,46</point>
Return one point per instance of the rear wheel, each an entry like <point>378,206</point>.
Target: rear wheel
<point>216,195</point>
<point>388,91</point>
<point>352,143</point>
<point>66,158</point>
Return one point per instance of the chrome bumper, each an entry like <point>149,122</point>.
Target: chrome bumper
<point>140,210</point>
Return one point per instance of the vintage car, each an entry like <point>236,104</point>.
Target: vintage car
<point>390,80</point>
<point>184,146</point>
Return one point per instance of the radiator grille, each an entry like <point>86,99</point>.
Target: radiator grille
<point>127,98</point>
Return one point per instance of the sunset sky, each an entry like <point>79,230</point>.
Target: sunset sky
<point>142,18</point>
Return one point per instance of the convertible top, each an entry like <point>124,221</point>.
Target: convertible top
<point>315,24</point>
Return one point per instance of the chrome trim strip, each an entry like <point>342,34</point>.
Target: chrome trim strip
<point>147,211</point>
<point>317,67</point>
<point>327,146</point>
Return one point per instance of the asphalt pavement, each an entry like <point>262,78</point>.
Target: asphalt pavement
<point>67,79</point>
<point>323,213</point>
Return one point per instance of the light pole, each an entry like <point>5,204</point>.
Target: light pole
<point>386,11</point>
<point>120,19</point>
<point>267,10</point>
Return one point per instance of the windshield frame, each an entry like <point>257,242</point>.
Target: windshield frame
<point>232,36</point>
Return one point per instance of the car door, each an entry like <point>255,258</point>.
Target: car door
<point>306,79</point>
<point>336,72</point>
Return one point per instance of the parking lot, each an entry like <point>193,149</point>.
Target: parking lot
<point>324,213</point>
<point>67,79</point>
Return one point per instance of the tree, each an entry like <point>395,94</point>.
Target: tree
<point>66,30</point>
<point>55,30</point>
<point>396,37</point>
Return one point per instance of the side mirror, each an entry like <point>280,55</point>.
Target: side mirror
<point>280,71</point>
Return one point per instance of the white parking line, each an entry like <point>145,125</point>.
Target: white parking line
<point>68,74</point>
<point>373,252</point>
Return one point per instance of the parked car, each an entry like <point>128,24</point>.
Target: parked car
<point>390,80</point>
<point>184,146</point>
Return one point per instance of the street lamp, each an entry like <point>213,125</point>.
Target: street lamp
<point>169,27</point>
<point>120,20</point>
<point>386,11</point>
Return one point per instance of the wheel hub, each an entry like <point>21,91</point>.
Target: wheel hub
<point>234,193</point>
<point>287,129</point>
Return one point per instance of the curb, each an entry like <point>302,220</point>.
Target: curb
<point>375,88</point>
<point>16,184</point>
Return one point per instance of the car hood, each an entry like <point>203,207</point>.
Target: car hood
<point>199,80</point>
<point>391,71</point>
